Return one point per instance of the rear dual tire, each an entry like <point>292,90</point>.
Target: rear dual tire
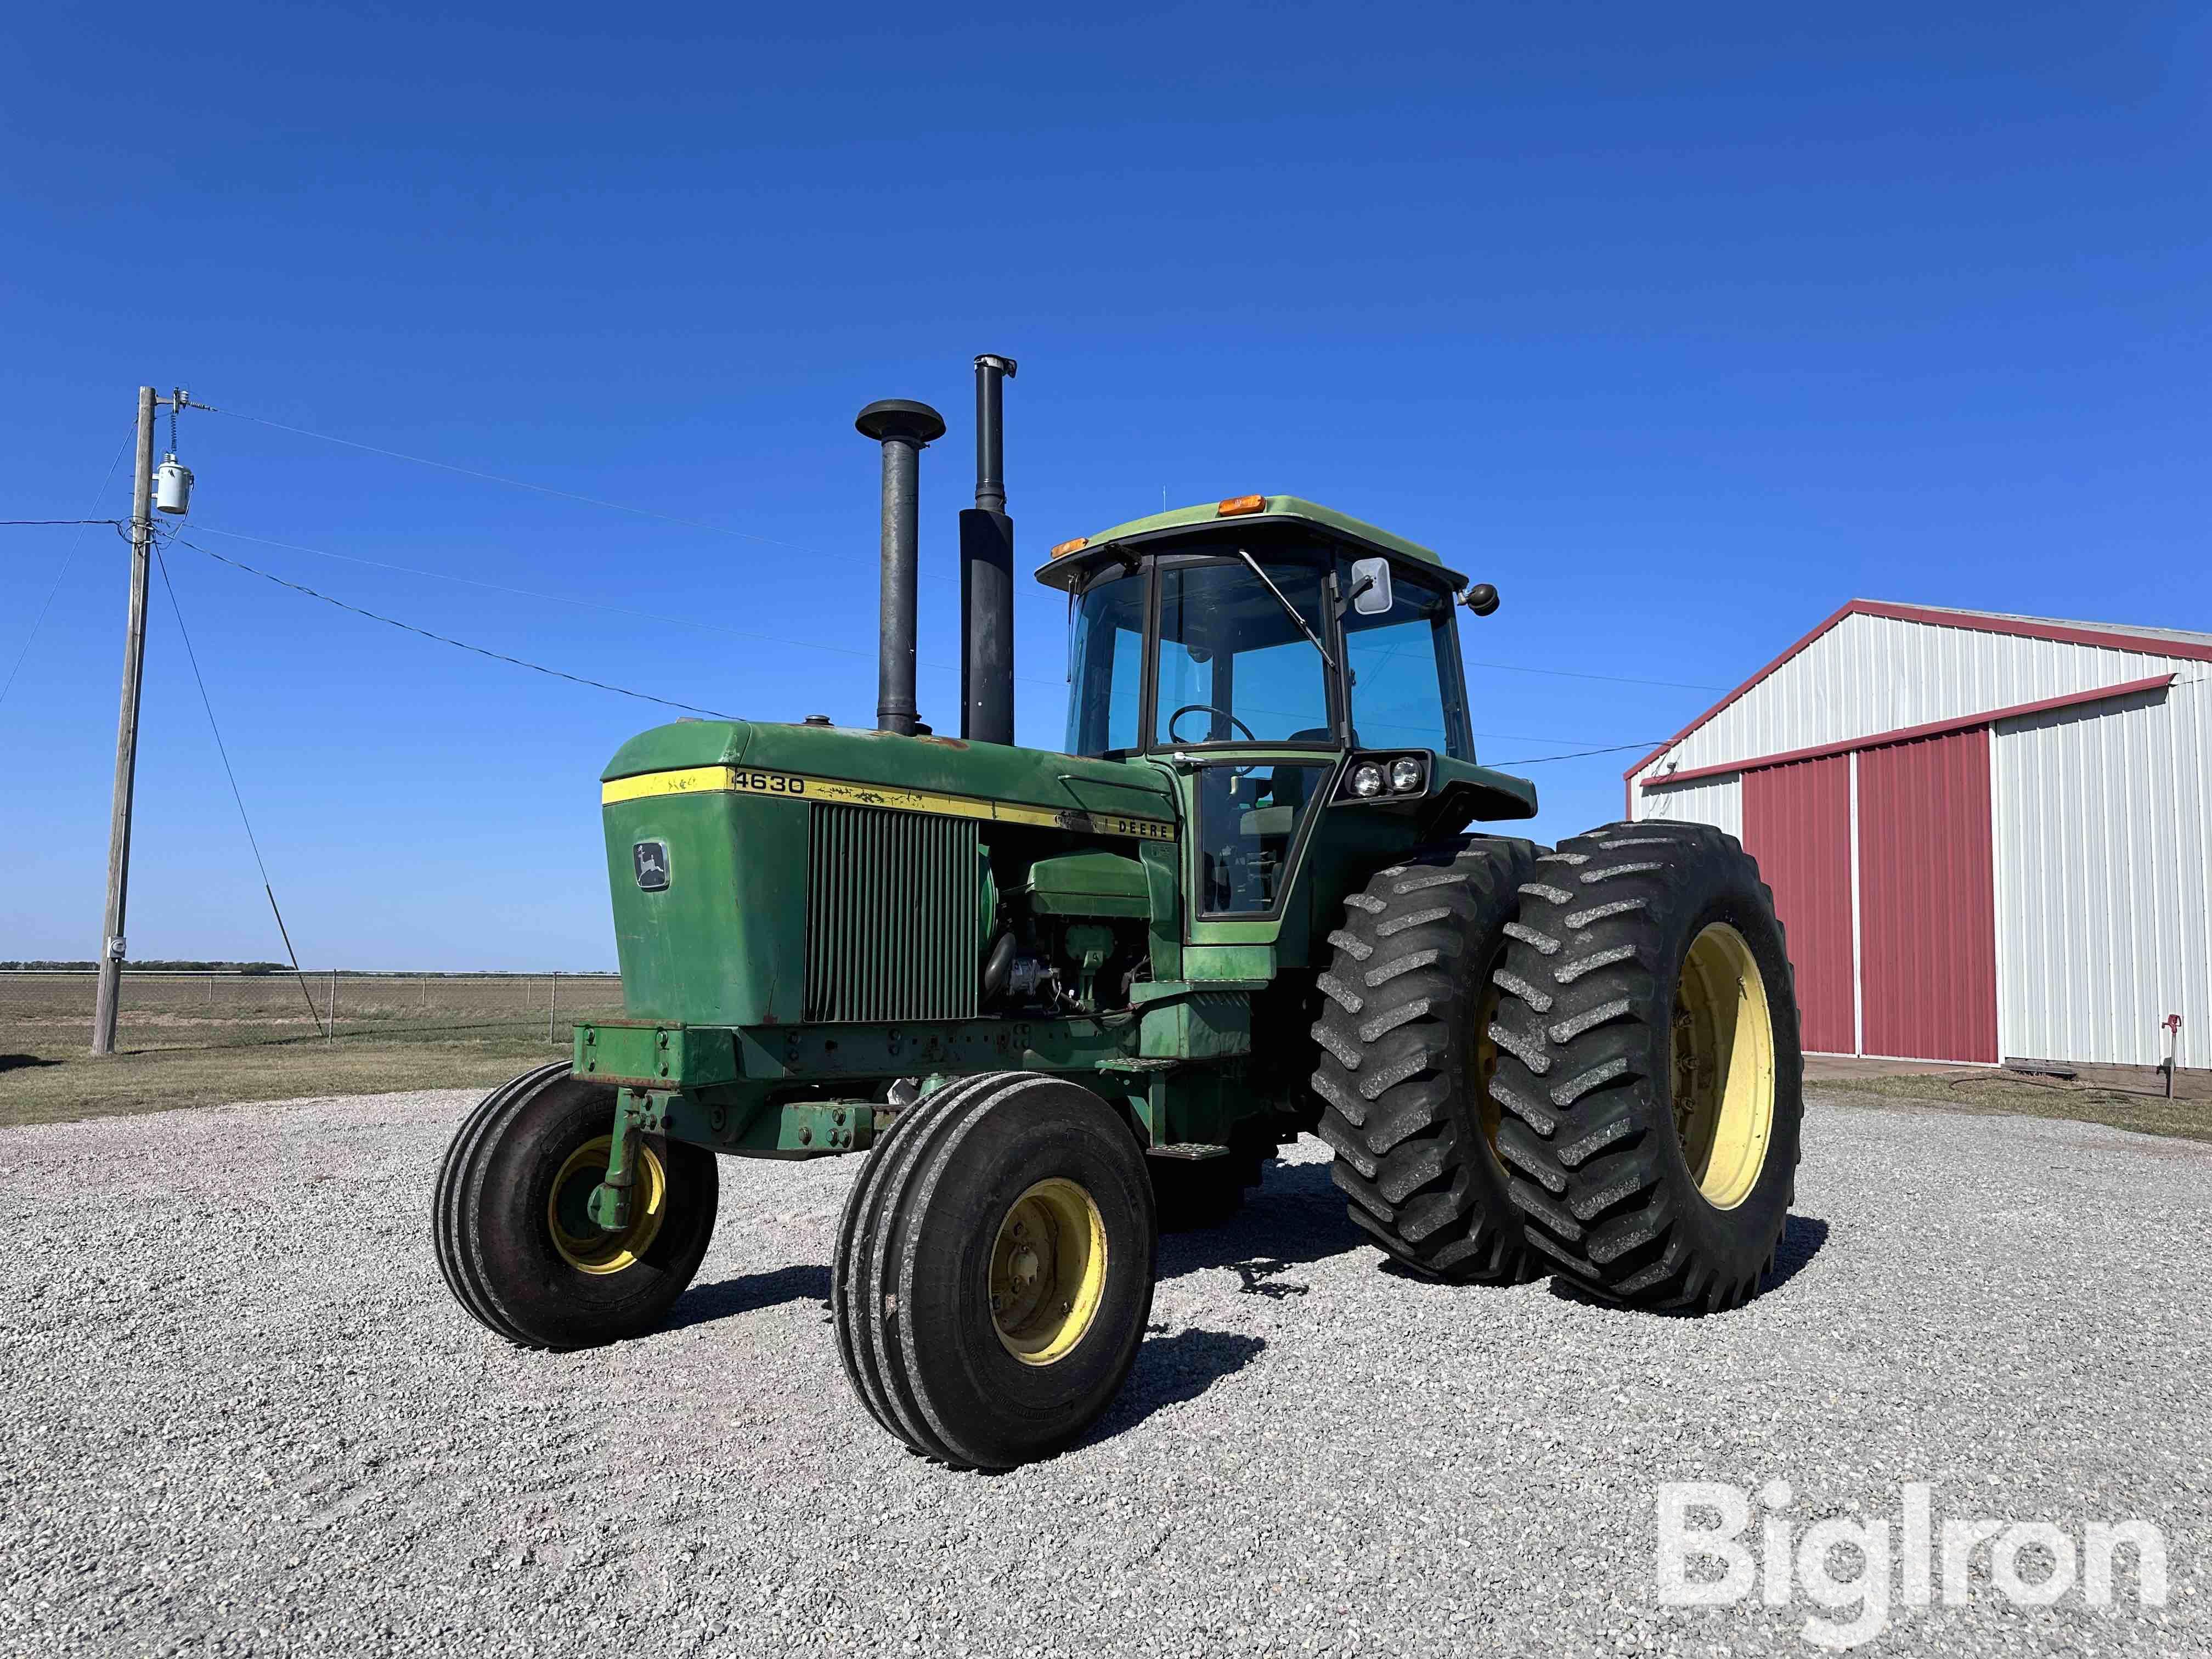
<point>1583,1061</point>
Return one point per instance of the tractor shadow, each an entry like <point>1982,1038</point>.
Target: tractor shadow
<point>748,1293</point>
<point>1295,1216</point>
<point>1802,1237</point>
<point>1170,1369</point>
<point>23,1063</point>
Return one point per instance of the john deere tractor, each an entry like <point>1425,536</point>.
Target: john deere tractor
<point>1052,1000</point>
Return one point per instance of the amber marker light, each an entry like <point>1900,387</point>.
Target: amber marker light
<point>1065,548</point>
<point>1237,504</point>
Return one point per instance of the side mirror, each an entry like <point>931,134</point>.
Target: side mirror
<point>1370,586</point>
<point>1481,598</point>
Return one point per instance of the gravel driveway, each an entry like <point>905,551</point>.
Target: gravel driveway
<point>239,1413</point>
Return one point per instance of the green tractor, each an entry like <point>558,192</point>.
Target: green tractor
<point>1061,999</point>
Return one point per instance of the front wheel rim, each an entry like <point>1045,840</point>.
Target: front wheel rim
<point>1048,1271</point>
<point>580,1240</point>
<point>1723,1070</point>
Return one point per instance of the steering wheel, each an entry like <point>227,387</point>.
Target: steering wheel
<point>1209,708</point>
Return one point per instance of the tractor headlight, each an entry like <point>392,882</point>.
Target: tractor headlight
<point>1404,774</point>
<point>1367,781</point>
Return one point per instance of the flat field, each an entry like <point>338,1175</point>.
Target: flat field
<point>191,1040</point>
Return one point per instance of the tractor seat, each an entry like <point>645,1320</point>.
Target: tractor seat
<point>1289,791</point>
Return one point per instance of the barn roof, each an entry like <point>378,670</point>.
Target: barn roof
<point>2122,636</point>
<point>2053,628</point>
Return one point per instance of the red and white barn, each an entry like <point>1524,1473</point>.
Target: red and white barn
<point>1989,836</point>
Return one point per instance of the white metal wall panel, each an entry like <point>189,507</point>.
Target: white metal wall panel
<point>1705,800</point>
<point>1873,674</point>
<point>2103,819</point>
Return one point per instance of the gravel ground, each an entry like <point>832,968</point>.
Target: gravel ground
<point>239,1414</point>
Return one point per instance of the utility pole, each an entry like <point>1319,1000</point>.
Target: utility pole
<point>127,733</point>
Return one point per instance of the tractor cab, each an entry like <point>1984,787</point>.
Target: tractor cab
<point>1282,656</point>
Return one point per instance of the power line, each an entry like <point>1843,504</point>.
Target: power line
<point>545,489</point>
<point>1613,679</point>
<point>1524,737</point>
<point>519,483</point>
<point>1579,754</point>
<point>18,523</point>
<point>459,645</point>
<point>771,541</point>
<point>602,685</point>
<point>68,558</point>
<point>221,749</point>
<point>581,605</point>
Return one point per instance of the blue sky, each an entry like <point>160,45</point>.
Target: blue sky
<point>1682,326</point>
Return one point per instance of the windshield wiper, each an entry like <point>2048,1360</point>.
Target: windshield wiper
<point>1289,610</point>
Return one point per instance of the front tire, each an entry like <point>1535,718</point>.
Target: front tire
<point>1649,1066</point>
<point>509,1231</point>
<point>994,1270</point>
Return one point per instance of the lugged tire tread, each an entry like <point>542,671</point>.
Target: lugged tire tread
<point>1389,1073</point>
<point>1585,1170</point>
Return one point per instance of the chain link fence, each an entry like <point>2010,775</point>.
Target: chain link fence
<point>173,1010</point>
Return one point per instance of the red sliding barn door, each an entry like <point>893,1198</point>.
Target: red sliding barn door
<point>1797,824</point>
<point>1928,899</point>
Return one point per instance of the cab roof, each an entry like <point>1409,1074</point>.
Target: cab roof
<point>1072,561</point>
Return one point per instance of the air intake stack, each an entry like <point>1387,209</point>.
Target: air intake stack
<point>987,572</point>
<point>904,429</point>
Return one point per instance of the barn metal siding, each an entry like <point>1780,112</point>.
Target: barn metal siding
<point>1873,674</point>
<point>1708,800</point>
<point>1797,824</point>
<point>2103,881</point>
<point>1927,899</point>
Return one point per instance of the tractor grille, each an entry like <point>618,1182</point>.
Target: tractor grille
<point>892,916</point>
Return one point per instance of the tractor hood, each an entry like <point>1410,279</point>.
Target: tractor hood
<point>766,874</point>
<point>849,763</point>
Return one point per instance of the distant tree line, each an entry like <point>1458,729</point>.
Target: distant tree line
<point>150,967</point>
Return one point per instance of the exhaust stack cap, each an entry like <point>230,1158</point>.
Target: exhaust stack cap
<point>897,419</point>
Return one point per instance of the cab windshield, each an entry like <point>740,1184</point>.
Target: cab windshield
<point>1234,665</point>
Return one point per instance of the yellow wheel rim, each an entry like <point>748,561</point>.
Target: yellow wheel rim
<point>1723,1066</point>
<point>577,1238</point>
<point>1048,1271</point>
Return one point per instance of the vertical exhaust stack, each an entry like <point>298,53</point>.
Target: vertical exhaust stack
<point>904,429</point>
<point>987,572</point>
